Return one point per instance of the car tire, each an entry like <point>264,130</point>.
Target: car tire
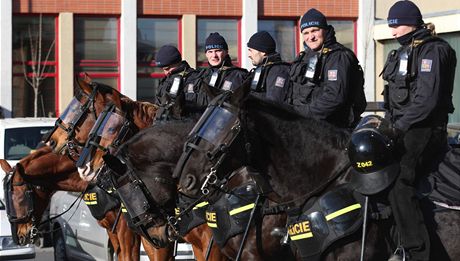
<point>60,253</point>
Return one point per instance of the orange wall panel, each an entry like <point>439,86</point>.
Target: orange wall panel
<point>198,7</point>
<point>289,8</point>
<point>72,6</point>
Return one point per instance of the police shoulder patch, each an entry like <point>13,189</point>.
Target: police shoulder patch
<point>227,85</point>
<point>426,65</point>
<point>190,87</point>
<point>280,81</point>
<point>332,75</point>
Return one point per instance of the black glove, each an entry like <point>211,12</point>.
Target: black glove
<point>396,134</point>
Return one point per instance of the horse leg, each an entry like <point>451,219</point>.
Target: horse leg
<point>106,223</point>
<point>200,238</point>
<point>158,254</point>
<point>129,241</point>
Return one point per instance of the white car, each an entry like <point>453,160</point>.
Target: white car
<point>8,249</point>
<point>20,136</point>
<point>78,236</point>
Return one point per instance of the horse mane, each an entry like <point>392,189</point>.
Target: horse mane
<point>106,89</point>
<point>322,130</point>
<point>142,113</point>
<point>161,142</point>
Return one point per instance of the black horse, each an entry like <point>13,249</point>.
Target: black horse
<point>301,158</point>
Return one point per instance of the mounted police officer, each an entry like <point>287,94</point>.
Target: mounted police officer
<point>271,76</point>
<point>180,81</point>
<point>418,98</point>
<point>221,74</point>
<point>327,81</point>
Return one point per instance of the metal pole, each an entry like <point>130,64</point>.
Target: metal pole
<point>240,251</point>
<point>363,240</point>
<point>208,250</point>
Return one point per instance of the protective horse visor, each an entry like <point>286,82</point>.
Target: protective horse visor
<point>95,135</point>
<point>216,129</point>
<point>71,114</point>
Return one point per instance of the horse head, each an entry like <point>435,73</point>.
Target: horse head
<point>144,180</point>
<point>113,127</point>
<point>29,187</point>
<point>207,149</point>
<point>74,124</point>
<point>25,204</point>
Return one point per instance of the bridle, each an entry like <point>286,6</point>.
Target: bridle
<point>220,151</point>
<point>131,190</point>
<point>72,146</point>
<point>8,186</point>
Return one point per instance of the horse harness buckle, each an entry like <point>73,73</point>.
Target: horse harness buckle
<point>211,179</point>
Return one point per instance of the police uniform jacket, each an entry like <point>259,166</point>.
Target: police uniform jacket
<point>229,77</point>
<point>189,81</point>
<point>420,79</point>
<point>325,84</point>
<point>271,78</point>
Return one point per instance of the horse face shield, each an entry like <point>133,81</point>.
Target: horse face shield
<point>110,130</point>
<point>212,136</point>
<point>371,153</point>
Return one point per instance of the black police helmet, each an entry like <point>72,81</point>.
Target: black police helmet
<point>372,156</point>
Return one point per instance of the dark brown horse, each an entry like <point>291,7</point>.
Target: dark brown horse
<point>44,172</point>
<point>300,158</point>
<point>152,154</point>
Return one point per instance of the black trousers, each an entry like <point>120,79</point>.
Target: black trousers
<point>421,152</point>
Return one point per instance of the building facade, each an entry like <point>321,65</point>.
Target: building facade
<point>115,41</point>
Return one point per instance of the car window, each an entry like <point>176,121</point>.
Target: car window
<point>19,142</point>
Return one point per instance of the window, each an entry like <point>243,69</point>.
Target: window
<point>96,48</point>
<point>228,28</point>
<point>345,33</point>
<point>29,64</point>
<point>152,33</point>
<point>284,32</point>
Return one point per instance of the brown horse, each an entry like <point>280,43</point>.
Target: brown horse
<point>44,172</point>
<point>73,126</point>
<point>153,165</point>
<point>114,130</point>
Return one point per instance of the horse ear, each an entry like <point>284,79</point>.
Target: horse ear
<point>84,83</point>
<point>239,95</point>
<point>87,79</point>
<point>5,165</point>
<point>210,91</point>
<point>115,164</point>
